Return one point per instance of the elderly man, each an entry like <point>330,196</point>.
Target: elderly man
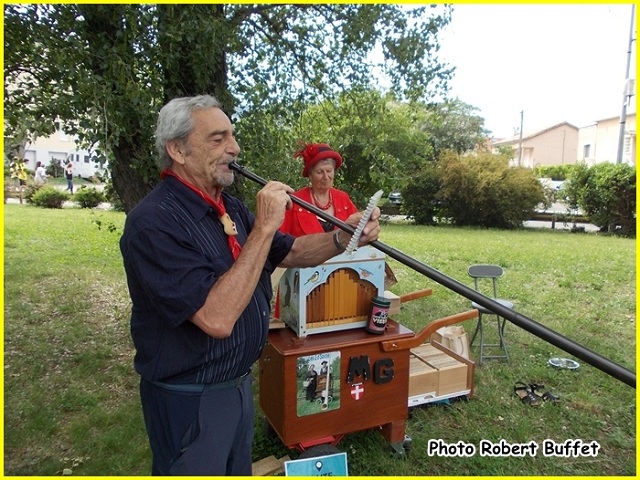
<point>198,267</point>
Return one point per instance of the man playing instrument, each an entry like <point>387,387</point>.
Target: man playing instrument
<point>198,268</point>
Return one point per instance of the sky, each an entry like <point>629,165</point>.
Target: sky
<point>552,62</point>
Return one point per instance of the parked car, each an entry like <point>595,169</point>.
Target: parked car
<point>395,198</point>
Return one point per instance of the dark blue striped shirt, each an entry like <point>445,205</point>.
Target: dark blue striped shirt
<point>174,249</point>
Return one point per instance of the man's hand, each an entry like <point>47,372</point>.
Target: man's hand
<point>371,229</point>
<point>316,248</point>
<point>271,203</point>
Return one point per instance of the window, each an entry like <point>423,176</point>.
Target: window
<point>86,158</point>
<point>586,152</point>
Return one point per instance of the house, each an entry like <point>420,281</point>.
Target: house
<point>61,146</point>
<point>599,142</point>
<point>557,145</point>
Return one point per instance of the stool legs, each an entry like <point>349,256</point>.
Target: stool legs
<point>500,323</point>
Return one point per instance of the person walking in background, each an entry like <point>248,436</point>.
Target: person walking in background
<point>68,173</point>
<point>19,170</point>
<point>40,176</point>
<point>198,266</point>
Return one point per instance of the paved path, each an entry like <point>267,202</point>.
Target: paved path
<point>588,227</point>
<point>529,224</point>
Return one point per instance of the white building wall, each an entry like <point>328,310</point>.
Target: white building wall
<point>555,145</point>
<point>598,143</point>
<point>61,147</point>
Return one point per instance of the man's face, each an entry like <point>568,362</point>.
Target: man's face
<point>210,148</point>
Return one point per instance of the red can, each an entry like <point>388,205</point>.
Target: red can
<point>379,315</point>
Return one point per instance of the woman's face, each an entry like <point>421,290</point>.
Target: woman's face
<point>322,173</point>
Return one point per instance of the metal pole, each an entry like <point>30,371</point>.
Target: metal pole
<point>521,123</point>
<point>554,338</point>
<point>625,94</point>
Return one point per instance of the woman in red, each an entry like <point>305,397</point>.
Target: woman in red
<point>320,164</point>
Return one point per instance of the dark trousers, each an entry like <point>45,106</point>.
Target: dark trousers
<point>198,429</point>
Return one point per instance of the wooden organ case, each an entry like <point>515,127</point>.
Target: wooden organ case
<point>333,296</point>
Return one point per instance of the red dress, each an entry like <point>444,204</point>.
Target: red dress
<point>299,221</point>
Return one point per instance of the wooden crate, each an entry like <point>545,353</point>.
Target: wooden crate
<point>423,379</point>
<point>433,365</point>
<point>394,308</point>
<point>452,379</point>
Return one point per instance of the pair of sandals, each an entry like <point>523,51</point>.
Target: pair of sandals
<point>534,394</point>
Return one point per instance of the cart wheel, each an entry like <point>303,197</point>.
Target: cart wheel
<point>319,451</point>
<point>398,451</point>
<point>407,443</point>
<point>401,450</point>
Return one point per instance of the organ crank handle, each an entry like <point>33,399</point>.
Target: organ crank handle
<point>355,238</point>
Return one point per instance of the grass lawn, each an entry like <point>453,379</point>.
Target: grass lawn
<point>71,395</point>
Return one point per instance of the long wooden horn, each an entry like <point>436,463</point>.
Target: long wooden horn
<point>592,358</point>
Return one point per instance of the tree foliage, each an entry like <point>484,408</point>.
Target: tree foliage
<point>453,125</point>
<point>384,143</point>
<point>379,144</point>
<point>421,200</point>
<point>606,192</point>
<point>101,72</point>
<point>554,172</point>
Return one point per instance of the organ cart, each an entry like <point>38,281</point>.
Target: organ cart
<point>324,375</point>
<point>364,366</point>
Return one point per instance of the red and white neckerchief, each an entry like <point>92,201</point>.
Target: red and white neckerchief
<point>228,224</point>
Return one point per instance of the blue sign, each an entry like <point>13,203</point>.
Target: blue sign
<point>325,466</point>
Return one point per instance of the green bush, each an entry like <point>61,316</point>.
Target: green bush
<point>474,190</point>
<point>421,201</point>
<point>606,192</point>
<point>30,190</point>
<point>89,197</point>
<point>49,197</point>
<point>55,168</point>
<point>112,197</point>
<point>554,172</point>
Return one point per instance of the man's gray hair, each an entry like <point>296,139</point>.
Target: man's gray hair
<point>175,122</point>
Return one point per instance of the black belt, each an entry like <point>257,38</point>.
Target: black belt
<point>202,387</point>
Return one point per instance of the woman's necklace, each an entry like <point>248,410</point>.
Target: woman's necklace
<point>327,206</point>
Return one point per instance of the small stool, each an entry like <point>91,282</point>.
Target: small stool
<point>492,272</point>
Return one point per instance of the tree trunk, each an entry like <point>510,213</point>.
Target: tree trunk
<point>128,182</point>
<point>185,73</point>
<point>183,76</point>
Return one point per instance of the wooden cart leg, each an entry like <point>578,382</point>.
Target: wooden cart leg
<point>393,433</point>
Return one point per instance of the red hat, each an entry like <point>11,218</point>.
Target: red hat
<point>312,153</point>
